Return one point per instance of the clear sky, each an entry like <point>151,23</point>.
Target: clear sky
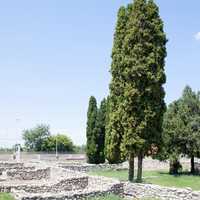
<point>55,54</point>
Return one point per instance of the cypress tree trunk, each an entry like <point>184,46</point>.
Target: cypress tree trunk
<point>131,167</point>
<point>139,172</point>
<point>192,165</point>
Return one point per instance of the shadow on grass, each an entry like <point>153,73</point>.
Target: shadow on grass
<point>184,173</point>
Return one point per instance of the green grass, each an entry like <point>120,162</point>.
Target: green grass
<point>157,177</point>
<point>5,196</point>
<point>109,197</point>
<point>114,197</point>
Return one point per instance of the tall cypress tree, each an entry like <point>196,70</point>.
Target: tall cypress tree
<point>91,149</point>
<point>143,78</point>
<point>114,129</point>
<point>100,130</point>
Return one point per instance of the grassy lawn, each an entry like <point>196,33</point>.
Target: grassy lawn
<point>114,197</point>
<point>5,196</point>
<point>157,177</point>
<point>109,197</point>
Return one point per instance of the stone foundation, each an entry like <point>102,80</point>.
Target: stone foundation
<point>139,191</point>
<point>21,174</point>
<point>97,186</point>
<point>40,182</point>
<point>8,165</point>
<point>92,167</point>
<point>16,168</point>
<point>59,186</point>
<point>197,168</point>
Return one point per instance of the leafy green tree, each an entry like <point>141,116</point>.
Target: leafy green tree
<point>182,128</point>
<point>114,129</point>
<point>35,137</point>
<point>91,133</point>
<point>64,143</point>
<point>143,78</point>
<point>194,141</point>
<point>80,149</point>
<point>173,127</point>
<point>49,144</point>
<point>190,112</point>
<point>100,130</point>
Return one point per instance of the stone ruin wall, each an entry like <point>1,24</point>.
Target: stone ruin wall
<point>24,174</point>
<point>2,170</point>
<point>83,187</point>
<point>92,167</point>
<point>114,187</point>
<point>63,185</point>
<point>139,191</point>
<point>9,165</point>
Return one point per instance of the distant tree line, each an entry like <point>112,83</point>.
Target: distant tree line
<point>40,139</point>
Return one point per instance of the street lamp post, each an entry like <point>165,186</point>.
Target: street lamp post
<point>57,157</point>
<point>56,148</point>
<point>18,150</point>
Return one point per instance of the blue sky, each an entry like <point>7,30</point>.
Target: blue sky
<point>55,54</point>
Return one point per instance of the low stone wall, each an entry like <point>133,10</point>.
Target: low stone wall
<point>65,196</point>
<point>148,164</point>
<point>98,186</point>
<point>92,167</point>
<point>62,185</point>
<point>16,168</point>
<point>197,168</point>
<point>36,174</point>
<point>10,164</point>
<point>137,191</point>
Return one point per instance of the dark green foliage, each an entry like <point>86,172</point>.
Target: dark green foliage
<point>91,147</point>
<point>64,144</point>
<point>143,78</point>
<point>136,102</point>
<point>190,115</point>
<point>97,119</point>
<point>114,129</point>
<point>175,166</point>
<point>35,137</point>
<point>182,127</point>
<point>173,126</point>
<point>80,149</point>
<point>100,131</point>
